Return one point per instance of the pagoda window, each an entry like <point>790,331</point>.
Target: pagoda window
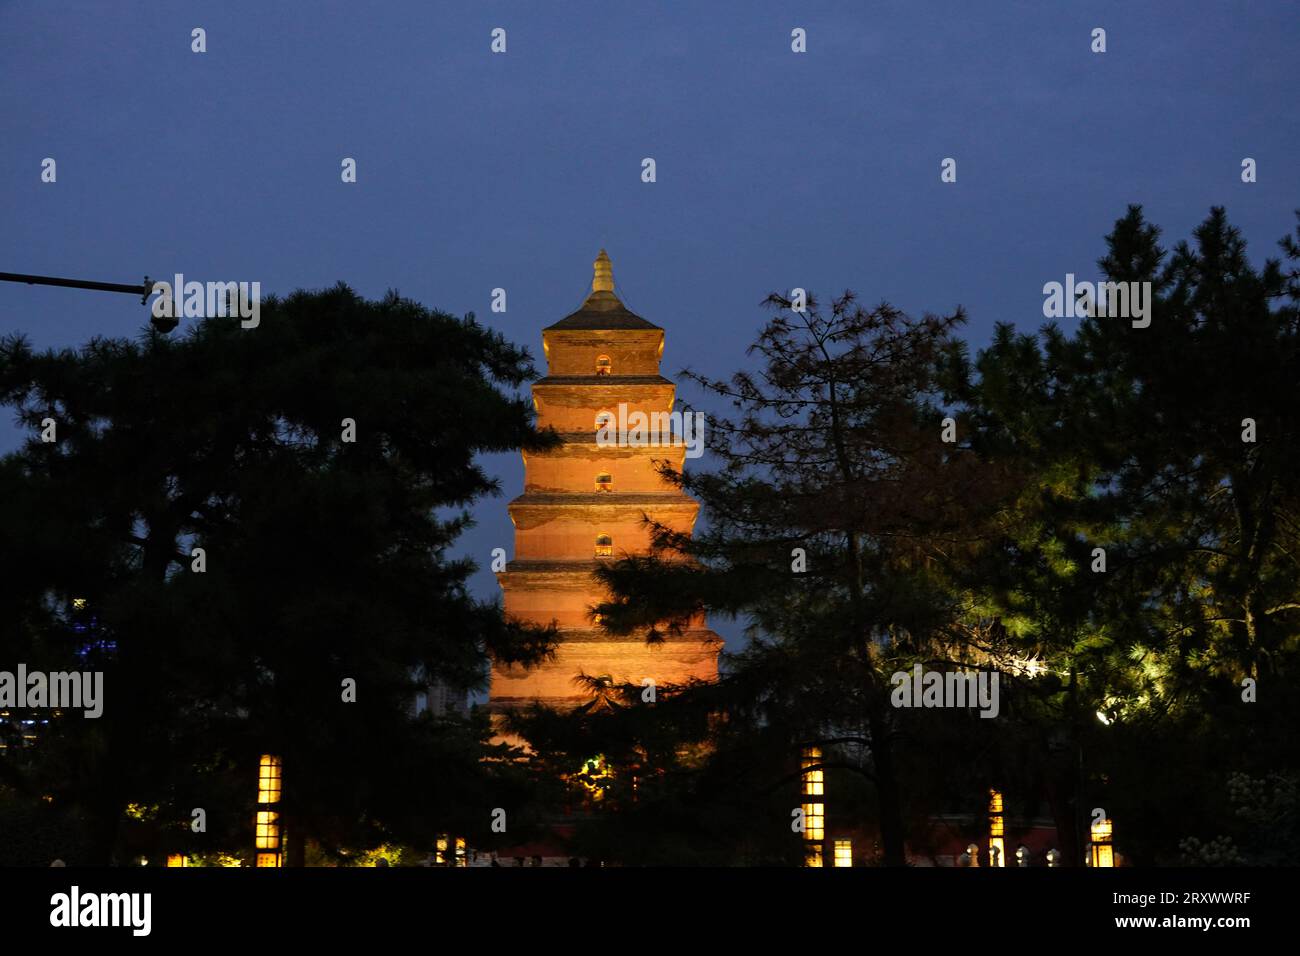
<point>604,546</point>
<point>602,365</point>
<point>604,482</point>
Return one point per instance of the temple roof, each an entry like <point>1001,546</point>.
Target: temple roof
<point>602,311</point>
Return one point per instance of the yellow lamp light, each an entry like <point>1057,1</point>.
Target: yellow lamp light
<point>268,779</point>
<point>813,780</point>
<point>268,830</point>
<point>814,821</point>
<point>1103,852</point>
<point>267,837</point>
<point>997,844</point>
<point>843,852</point>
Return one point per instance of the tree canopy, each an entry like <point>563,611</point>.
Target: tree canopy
<point>1104,516</point>
<point>234,525</point>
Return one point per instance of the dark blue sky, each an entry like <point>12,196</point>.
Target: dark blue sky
<point>478,170</point>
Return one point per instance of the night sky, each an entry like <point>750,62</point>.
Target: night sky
<point>774,169</point>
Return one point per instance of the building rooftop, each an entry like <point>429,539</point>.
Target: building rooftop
<point>602,311</point>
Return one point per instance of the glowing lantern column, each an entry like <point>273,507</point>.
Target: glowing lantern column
<point>814,812</point>
<point>997,845</point>
<point>268,841</point>
<point>1102,852</point>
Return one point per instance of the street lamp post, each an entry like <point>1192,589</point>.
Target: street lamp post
<point>163,324</point>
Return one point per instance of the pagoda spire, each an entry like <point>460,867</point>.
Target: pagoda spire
<point>603,279</point>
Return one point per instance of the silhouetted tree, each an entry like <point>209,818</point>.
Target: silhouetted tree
<point>322,462</point>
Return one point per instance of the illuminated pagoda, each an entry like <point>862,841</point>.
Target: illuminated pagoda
<point>586,502</point>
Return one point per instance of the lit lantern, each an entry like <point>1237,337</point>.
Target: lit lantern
<point>267,836</point>
<point>814,813</point>
<point>843,852</point>
<point>813,781</point>
<point>814,822</point>
<point>997,846</point>
<point>812,784</point>
<point>1103,852</point>
<point>268,780</point>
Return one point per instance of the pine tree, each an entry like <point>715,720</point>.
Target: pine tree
<point>322,464</point>
<point>1137,438</point>
<point>835,507</point>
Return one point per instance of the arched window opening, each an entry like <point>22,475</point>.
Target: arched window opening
<point>604,546</point>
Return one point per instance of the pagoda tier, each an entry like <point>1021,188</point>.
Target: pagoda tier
<point>585,502</point>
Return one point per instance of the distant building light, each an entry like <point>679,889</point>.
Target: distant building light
<point>1102,853</point>
<point>997,846</point>
<point>268,830</point>
<point>268,779</point>
<point>813,780</point>
<point>268,836</point>
<point>814,822</point>
<point>843,852</point>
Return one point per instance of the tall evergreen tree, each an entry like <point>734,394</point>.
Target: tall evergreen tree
<point>1109,532</point>
<point>835,506</point>
<point>1153,560</point>
<point>258,521</point>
